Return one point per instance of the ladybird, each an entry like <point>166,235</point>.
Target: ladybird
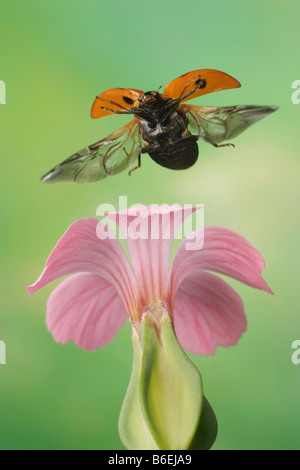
<point>163,127</point>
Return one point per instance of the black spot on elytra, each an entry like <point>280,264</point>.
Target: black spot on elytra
<point>128,100</point>
<point>201,82</point>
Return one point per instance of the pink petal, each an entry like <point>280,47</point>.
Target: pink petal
<point>150,250</point>
<point>208,313</point>
<point>86,309</point>
<point>224,252</point>
<point>80,250</point>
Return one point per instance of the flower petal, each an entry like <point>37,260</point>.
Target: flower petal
<point>225,252</point>
<point>80,250</point>
<point>149,233</point>
<point>86,309</point>
<point>208,313</point>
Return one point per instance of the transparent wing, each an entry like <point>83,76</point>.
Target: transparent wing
<point>215,125</point>
<point>107,157</point>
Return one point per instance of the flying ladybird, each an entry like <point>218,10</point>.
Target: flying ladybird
<point>162,126</point>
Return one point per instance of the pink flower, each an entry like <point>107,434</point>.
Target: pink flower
<point>91,306</point>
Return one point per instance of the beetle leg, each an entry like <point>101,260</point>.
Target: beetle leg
<point>224,145</point>
<point>138,165</point>
<point>114,111</point>
<point>197,86</point>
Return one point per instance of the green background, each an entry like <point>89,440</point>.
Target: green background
<point>55,57</point>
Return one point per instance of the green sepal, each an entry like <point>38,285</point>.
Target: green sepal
<point>170,386</point>
<point>164,407</point>
<point>133,429</point>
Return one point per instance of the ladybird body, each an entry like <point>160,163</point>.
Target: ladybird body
<point>164,129</point>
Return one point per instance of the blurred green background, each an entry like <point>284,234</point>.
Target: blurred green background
<point>55,57</point>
